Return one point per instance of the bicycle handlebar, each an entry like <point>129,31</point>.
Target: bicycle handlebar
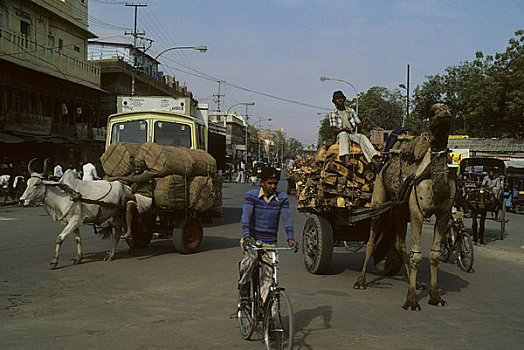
<point>258,246</point>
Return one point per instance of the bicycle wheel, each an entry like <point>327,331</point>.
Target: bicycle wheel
<point>444,249</point>
<point>246,313</point>
<point>464,248</point>
<point>279,323</point>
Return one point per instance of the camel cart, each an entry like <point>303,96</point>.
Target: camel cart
<point>472,171</point>
<point>337,202</point>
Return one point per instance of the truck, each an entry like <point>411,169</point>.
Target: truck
<point>178,122</point>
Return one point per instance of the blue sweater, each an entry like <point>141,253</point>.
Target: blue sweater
<point>260,219</point>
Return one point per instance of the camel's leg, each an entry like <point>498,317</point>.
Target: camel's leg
<point>414,261</point>
<point>78,240</point>
<point>69,227</point>
<point>379,197</point>
<point>482,224</point>
<point>440,229</point>
<point>370,246</point>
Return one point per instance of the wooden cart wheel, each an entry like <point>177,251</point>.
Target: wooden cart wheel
<point>142,231</point>
<point>188,236</point>
<point>317,244</point>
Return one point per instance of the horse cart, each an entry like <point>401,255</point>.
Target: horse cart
<point>481,200</point>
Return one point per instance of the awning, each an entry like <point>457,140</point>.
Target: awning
<point>9,138</point>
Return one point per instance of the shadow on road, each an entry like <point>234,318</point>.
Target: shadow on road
<point>304,318</point>
<point>231,216</point>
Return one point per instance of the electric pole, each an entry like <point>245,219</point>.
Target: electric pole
<point>218,96</point>
<point>135,35</point>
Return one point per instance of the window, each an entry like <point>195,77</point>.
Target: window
<point>50,45</point>
<point>131,131</point>
<point>173,134</point>
<point>1,19</point>
<point>25,28</point>
<point>60,44</point>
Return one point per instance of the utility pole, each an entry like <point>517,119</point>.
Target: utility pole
<point>135,35</point>
<point>217,101</point>
<point>407,100</point>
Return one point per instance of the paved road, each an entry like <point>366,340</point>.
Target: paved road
<point>159,299</point>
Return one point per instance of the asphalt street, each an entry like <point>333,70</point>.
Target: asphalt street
<point>160,299</point>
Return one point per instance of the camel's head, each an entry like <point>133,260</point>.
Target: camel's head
<point>439,125</point>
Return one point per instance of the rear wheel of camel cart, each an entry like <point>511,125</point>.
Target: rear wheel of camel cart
<point>188,236</point>
<point>317,244</point>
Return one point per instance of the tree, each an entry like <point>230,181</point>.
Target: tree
<point>486,95</point>
<point>382,108</point>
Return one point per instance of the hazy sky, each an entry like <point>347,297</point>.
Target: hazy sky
<point>282,47</point>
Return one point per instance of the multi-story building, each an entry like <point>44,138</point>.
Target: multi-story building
<point>235,132</point>
<point>49,92</point>
<point>126,71</point>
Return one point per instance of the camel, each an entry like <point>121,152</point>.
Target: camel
<point>428,190</point>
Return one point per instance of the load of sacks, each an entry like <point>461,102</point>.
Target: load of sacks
<point>185,178</point>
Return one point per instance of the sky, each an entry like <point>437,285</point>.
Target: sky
<point>261,49</point>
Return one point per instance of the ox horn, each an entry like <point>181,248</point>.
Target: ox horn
<point>30,166</point>
<point>46,165</point>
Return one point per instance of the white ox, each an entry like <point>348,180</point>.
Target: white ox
<point>59,206</point>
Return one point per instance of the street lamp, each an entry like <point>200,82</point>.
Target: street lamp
<point>199,48</point>
<point>406,115</point>
<point>347,82</point>
<point>247,125</point>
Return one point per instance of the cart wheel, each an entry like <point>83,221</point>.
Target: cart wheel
<point>188,236</point>
<point>317,244</point>
<point>142,231</point>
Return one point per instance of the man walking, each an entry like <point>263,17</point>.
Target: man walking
<point>344,121</point>
<point>260,218</point>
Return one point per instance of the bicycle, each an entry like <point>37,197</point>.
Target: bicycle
<point>457,241</point>
<point>276,313</point>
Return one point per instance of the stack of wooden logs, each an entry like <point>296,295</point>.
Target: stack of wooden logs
<point>184,178</point>
<point>325,182</point>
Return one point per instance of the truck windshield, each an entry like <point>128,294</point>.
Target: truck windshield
<point>130,131</point>
<point>172,134</point>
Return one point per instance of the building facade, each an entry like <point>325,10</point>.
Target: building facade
<point>49,91</point>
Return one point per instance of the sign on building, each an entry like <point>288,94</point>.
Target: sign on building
<point>457,154</point>
<point>29,123</point>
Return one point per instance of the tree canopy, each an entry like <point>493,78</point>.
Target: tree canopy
<point>486,95</point>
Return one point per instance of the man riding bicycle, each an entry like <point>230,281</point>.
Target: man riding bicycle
<point>260,216</point>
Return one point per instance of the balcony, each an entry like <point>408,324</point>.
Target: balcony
<point>19,49</point>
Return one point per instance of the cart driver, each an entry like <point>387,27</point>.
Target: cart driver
<point>260,218</point>
<point>492,184</point>
<point>141,198</point>
<point>344,121</point>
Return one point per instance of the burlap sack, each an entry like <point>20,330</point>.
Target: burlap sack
<point>118,159</point>
<point>171,192</point>
<point>201,193</point>
<point>166,160</point>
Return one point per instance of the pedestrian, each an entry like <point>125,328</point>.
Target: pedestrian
<point>89,172</point>
<point>141,197</point>
<point>344,122</point>
<point>57,171</point>
<point>261,214</point>
<point>241,170</point>
<point>494,186</point>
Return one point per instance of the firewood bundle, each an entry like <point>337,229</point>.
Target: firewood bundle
<point>325,181</point>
